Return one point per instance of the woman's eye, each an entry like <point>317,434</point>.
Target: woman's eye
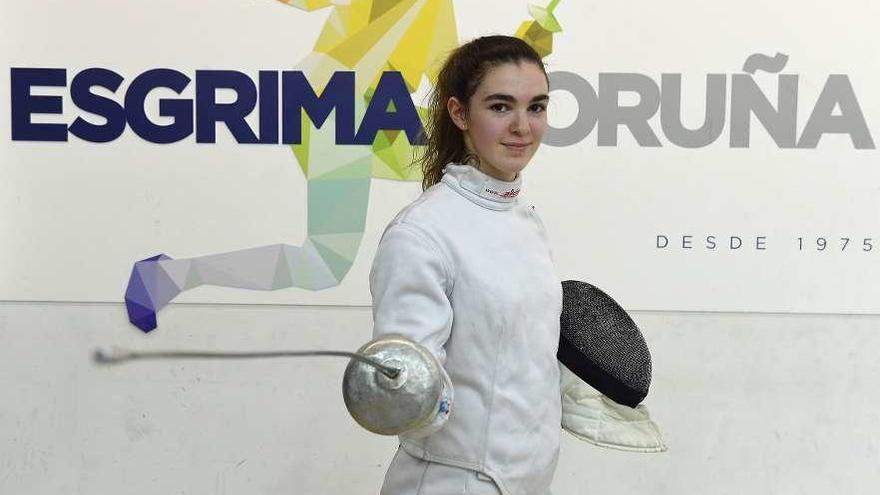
<point>538,108</point>
<point>499,107</point>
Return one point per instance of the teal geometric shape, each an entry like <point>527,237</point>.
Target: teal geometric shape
<point>345,245</point>
<point>359,169</point>
<point>337,206</point>
<point>337,264</point>
<point>308,269</point>
<point>298,266</point>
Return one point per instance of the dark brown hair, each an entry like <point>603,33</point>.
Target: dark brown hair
<point>460,76</point>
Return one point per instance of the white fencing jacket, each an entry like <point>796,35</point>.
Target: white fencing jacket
<point>466,271</point>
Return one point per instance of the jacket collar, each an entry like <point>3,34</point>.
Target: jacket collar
<point>480,188</point>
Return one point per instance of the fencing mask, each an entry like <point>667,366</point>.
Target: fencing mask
<point>602,345</point>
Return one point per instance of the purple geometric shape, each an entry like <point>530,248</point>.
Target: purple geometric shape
<point>137,292</point>
<point>140,301</point>
<point>141,317</point>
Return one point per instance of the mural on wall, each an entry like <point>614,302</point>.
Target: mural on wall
<point>372,39</point>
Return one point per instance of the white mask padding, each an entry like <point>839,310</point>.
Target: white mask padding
<point>596,419</point>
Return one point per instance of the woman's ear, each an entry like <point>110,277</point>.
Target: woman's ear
<point>457,112</point>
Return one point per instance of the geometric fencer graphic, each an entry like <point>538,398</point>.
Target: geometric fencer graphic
<point>368,37</point>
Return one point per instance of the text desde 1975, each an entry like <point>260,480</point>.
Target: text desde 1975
<point>671,242</point>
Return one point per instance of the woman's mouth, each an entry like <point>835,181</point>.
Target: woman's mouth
<point>516,146</point>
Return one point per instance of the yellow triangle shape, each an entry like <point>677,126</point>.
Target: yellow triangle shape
<point>359,44</point>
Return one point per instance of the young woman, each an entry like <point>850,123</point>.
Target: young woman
<point>466,271</point>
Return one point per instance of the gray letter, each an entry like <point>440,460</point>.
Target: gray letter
<point>665,241</point>
<point>759,61</point>
<point>746,98</point>
<point>588,109</point>
<point>837,92</point>
<point>686,241</point>
<point>739,242</point>
<point>670,111</point>
<point>611,115</point>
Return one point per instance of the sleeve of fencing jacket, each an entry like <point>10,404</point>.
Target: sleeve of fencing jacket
<point>410,281</point>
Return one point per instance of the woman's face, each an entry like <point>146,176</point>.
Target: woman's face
<point>506,118</point>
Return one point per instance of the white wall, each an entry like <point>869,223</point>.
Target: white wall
<point>749,403</point>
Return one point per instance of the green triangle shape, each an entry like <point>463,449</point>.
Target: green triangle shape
<point>359,169</point>
<point>301,151</point>
<point>381,170</point>
<point>399,156</point>
<point>382,141</point>
<point>406,172</point>
<point>325,155</point>
<point>338,265</point>
<point>308,269</point>
<point>345,245</point>
<point>545,18</point>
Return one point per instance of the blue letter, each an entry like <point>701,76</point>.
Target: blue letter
<point>180,110</point>
<point>391,90</point>
<point>24,104</point>
<point>297,95</point>
<point>268,107</point>
<point>209,112</point>
<point>99,105</point>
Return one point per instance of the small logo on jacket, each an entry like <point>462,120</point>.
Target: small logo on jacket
<point>506,194</point>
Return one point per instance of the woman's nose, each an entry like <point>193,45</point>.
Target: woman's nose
<point>520,123</point>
